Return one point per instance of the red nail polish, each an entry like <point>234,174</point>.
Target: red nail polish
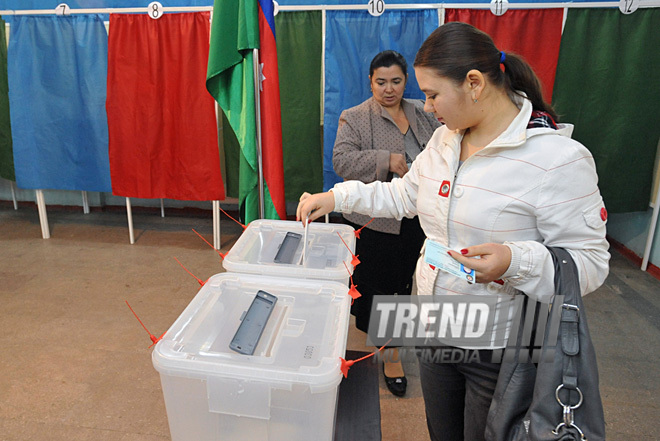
<point>449,252</point>
<point>464,251</point>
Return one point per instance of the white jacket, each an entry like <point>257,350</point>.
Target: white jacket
<point>528,188</point>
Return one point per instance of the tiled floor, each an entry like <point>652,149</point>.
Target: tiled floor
<point>75,363</point>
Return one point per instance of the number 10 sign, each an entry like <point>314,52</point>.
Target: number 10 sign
<point>376,7</point>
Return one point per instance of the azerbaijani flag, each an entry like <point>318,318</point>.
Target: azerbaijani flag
<point>239,26</point>
<point>271,118</point>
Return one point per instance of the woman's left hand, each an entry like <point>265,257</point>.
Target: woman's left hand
<point>493,262</point>
<point>398,164</point>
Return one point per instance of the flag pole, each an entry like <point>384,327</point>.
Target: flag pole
<point>257,109</point>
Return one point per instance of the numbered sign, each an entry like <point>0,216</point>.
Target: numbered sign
<point>155,10</point>
<point>499,7</point>
<point>376,7</point>
<point>62,9</point>
<point>628,6</point>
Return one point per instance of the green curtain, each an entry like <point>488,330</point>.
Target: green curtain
<point>6,153</point>
<point>607,84</point>
<point>299,59</point>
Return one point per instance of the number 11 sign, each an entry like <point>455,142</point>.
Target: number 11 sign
<point>499,7</point>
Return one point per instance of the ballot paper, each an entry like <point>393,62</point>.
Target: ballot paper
<point>302,258</point>
<point>437,256</point>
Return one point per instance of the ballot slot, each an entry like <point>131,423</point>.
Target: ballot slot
<point>288,247</point>
<point>253,323</point>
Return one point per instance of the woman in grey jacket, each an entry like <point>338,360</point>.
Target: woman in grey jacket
<point>377,141</point>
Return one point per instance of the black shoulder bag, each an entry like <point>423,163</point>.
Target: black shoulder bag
<point>557,399</point>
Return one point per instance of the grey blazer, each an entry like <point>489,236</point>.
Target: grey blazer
<point>365,138</point>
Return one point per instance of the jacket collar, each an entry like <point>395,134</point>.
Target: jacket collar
<point>408,110</point>
<point>515,135</point>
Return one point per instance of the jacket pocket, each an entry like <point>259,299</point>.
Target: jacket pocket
<point>596,215</point>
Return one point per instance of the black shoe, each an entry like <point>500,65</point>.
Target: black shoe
<point>396,385</point>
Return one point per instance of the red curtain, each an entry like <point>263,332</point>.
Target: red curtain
<point>161,120</point>
<point>533,33</point>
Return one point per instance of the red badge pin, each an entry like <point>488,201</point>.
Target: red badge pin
<point>444,189</point>
<point>603,214</point>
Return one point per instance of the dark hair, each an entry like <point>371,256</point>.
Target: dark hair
<point>387,59</point>
<point>455,48</point>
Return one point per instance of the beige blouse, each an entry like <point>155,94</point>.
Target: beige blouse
<point>365,138</point>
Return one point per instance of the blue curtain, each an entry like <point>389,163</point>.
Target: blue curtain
<point>57,68</point>
<point>353,38</point>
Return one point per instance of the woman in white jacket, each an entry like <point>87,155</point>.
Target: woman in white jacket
<point>499,182</point>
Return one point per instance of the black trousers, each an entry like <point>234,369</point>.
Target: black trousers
<point>457,393</point>
<point>387,265</point>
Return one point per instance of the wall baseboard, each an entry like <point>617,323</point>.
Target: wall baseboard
<point>230,208</point>
<point>634,258</point>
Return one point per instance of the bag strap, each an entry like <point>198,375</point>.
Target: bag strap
<point>567,284</point>
<point>570,342</point>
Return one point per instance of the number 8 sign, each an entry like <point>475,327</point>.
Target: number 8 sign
<point>155,10</point>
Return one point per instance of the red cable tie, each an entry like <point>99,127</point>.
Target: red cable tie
<point>359,230</point>
<point>156,339</point>
<point>198,279</point>
<point>207,242</point>
<point>226,214</point>
<point>151,336</point>
<point>353,292</point>
<point>354,261</point>
<point>346,364</point>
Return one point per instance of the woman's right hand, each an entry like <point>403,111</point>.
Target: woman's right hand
<point>313,206</point>
<point>398,164</point>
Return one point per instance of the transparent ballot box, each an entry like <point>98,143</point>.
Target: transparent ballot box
<point>275,248</point>
<point>286,390</point>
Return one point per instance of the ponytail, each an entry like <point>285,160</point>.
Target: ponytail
<point>519,77</point>
<point>455,48</point>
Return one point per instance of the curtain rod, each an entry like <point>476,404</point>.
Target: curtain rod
<point>107,10</point>
<point>580,4</point>
<point>549,5</point>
